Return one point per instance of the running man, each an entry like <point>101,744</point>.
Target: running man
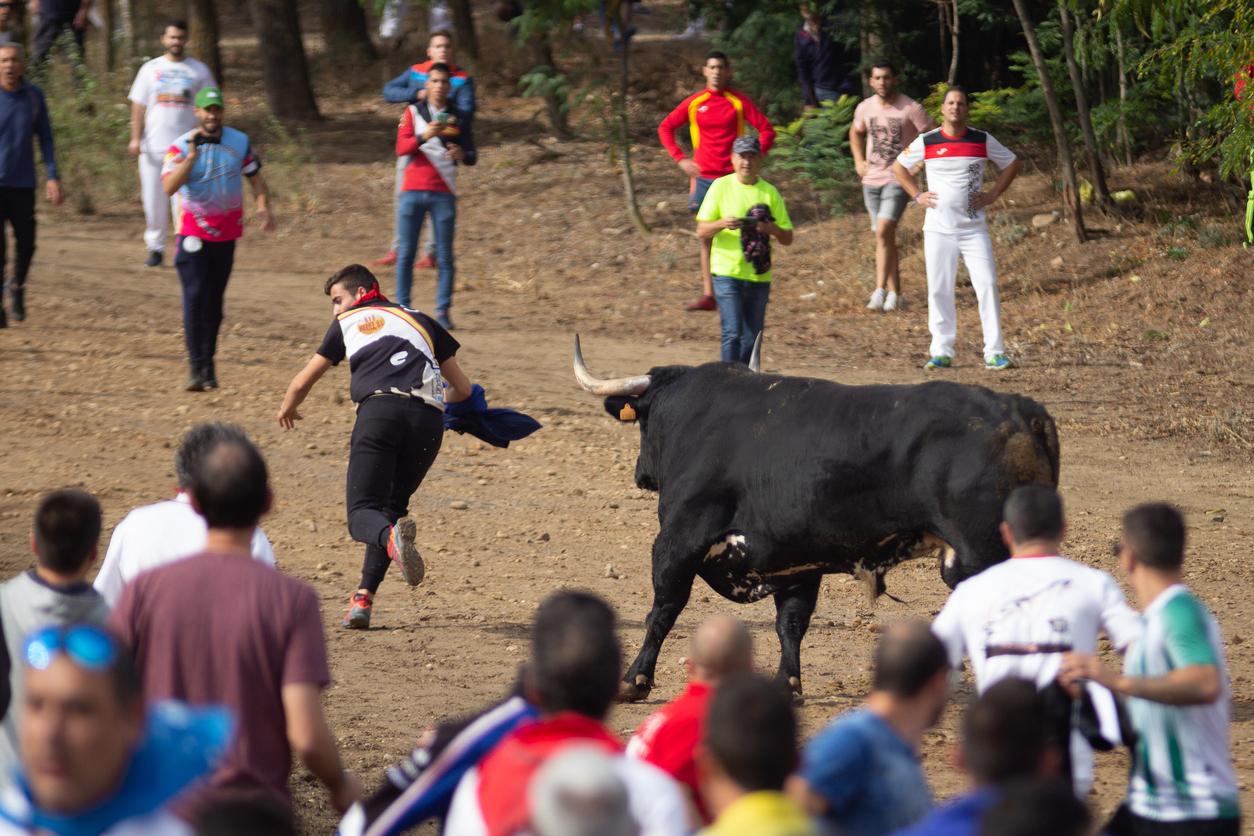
<point>715,117</point>
<point>162,109</point>
<point>955,156</point>
<point>399,363</point>
<point>883,126</point>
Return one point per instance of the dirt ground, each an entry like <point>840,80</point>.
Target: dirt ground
<point>1151,401</point>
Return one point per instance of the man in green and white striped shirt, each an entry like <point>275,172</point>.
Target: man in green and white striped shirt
<point>1176,685</point>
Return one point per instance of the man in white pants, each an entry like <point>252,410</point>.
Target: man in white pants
<point>954,156</point>
<point>162,110</point>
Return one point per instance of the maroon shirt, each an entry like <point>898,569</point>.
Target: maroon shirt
<point>224,629</point>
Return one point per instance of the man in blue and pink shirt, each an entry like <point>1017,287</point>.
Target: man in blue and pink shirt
<point>206,167</point>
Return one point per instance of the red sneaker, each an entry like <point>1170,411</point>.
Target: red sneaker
<point>358,615</point>
<point>427,262</point>
<point>703,303</point>
<point>404,553</point>
<point>387,261</point>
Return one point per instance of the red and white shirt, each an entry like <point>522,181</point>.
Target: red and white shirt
<point>668,738</point>
<point>955,172</point>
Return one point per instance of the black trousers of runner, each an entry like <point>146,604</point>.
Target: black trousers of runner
<point>17,208</point>
<point>395,442</point>
<point>204,275</point>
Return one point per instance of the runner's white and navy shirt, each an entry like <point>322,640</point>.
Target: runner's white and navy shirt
<point>955,171</point>
<point>1181,769</point>
<point>390,350</point>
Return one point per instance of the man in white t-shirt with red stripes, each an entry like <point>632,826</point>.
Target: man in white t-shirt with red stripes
<point>955,156</point>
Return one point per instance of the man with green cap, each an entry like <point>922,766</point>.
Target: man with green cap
<point>206,166</point>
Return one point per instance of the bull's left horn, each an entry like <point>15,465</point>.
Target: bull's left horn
<point>617,386</point>
<point>755,359</point>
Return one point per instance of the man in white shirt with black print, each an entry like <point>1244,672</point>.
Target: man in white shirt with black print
<point>162,109</point>
<point>954,156</point>
<point>163,532</point>
<point>400,362</point>
<point>1018,618</point>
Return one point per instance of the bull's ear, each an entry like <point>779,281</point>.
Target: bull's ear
<point>622,407</point>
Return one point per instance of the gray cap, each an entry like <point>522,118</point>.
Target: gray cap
<point>747,145</point>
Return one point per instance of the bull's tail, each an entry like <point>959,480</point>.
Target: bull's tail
<point>1043,462</point>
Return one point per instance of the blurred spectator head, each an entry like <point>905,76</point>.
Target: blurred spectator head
<point>66,532</point>
<point>1036,808</point>
<point>720,646</point>
<point>256,816</point>
<point>1154,536</point>
<point>575,657</point>
<point>911,665</point>
<point>82,716</point>
<point>1003,734</point>
<point>578,792</point>
<point>750,736</point>
<point>229,483</point>
<point>1033,513</point>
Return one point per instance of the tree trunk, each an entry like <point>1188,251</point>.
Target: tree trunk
<point>1101,193</point>
<point>953,39</point>
<point>345,30</point>
<point>1055,118</point>
<point>1124,137</point>
<point>285,69</point>
<point>204,37</point>
<point>464,24</point>
<point>624,142</point>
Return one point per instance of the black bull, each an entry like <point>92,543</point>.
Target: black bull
<point>766,483</point>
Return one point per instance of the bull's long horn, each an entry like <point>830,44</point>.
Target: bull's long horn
<point>617,386</point>
<point>755,359</point>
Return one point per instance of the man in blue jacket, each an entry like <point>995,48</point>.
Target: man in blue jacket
<point>410,88</point>
<point>23,116</point>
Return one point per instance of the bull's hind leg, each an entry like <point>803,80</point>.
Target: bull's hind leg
<point>673,575</point>
<point>793,608</point>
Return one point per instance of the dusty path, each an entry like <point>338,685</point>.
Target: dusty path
<point>90,392</point>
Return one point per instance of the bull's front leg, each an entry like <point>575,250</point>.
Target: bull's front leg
<point>673,575</point>
<point>793,608</point>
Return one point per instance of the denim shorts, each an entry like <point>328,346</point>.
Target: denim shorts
<point>884,203</point>
<point>700,185</point>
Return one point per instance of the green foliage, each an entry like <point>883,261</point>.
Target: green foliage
<point>815,148</point>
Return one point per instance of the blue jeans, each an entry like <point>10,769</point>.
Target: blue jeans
<point>742,312</point>
<point>411,208</point>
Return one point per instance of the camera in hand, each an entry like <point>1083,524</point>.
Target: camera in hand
<point>203,139</point>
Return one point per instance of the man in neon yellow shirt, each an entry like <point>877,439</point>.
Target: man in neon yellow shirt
<point>740,215</point>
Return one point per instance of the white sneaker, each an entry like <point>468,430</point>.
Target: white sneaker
<point>893,302</point>
<point>877,300</point>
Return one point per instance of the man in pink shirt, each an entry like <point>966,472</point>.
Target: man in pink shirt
<point>883,126</point>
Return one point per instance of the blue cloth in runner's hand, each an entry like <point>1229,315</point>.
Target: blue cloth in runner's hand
<point>496,426</point>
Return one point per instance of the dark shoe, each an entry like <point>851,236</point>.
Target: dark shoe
<point>17,295</point>
<point>704,303</point>
<point>210,376</point>
<point>154,259</point>
<point>195,381</point>
<point>442,318</point>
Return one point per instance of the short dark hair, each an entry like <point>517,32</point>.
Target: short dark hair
<point>751,732</point>
<point>716,55</point>
<point>439,67</point>
<point>440,33</point>
<point>230,482</point>
<point>907,657</point>
<point>1003,733</point>
<point>176,23</point>
<point>67,529</point>
<point>1037,808</point>
<point>576,660</point>
<point>245,816</point>
<point>353,276</point>
<point>1034,512</point>
<point>957,88</point>
<point>882,64</point>
<point>1156,534</point>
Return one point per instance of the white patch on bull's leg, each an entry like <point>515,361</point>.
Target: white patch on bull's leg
<point>736,541</point>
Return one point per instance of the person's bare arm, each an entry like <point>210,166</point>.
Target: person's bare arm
<point>299,389</point>
<point>137,127</point>
<point>706,230</point>
<point>311,739</point>
<point>804,796</point>
<point>459,384</point>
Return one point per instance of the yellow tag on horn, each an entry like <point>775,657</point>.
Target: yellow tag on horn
<point>627,413</point>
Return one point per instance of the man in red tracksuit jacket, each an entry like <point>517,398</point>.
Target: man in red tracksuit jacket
<point>715,117</point>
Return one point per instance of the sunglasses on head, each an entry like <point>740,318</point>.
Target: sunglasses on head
<point>88,647</point>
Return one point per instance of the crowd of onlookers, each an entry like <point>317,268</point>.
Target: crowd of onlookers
<point>174,701</point>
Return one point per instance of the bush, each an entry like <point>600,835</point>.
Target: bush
<point>816,148</point>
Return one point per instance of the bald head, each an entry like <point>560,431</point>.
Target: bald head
<point>720,646</point>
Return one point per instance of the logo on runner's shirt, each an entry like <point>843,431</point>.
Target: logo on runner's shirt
<point>371,324</point>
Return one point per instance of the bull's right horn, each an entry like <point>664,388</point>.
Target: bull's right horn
<point>617,386</point>
<point>755,359</point>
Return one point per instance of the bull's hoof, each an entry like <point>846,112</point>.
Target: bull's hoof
<point>635,690</point>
